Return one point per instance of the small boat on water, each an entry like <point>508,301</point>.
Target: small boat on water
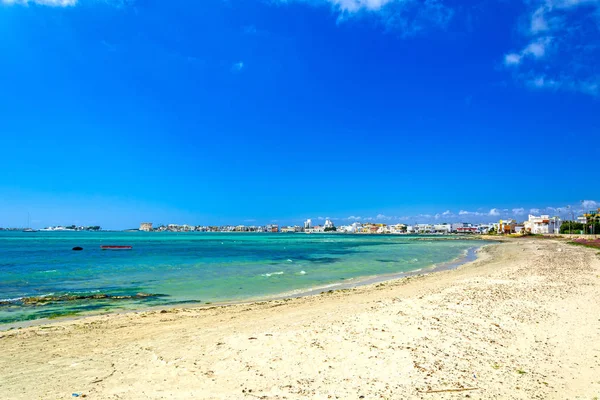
<point>116,247</point>
<point>28,229</point>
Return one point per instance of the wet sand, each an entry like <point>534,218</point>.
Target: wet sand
<point>522,321</point>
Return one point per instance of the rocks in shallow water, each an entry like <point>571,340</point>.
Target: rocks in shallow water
<point>41,300</point>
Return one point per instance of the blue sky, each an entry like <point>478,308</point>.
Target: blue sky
<point>252,111</point>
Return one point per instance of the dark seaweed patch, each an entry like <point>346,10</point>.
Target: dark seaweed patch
<point>46,300</point>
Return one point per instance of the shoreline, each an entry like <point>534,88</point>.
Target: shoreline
<point>520,322</point>
<point>364,281</point>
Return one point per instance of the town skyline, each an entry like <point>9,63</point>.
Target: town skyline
<point>479,216</point>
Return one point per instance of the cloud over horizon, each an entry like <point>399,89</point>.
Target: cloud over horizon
<point>519,213</point>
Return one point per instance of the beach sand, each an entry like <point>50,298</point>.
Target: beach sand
<point>520,322</point>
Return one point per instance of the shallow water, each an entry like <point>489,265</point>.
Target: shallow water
<point>183,267</point>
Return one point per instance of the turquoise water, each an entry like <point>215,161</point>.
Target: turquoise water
<point>183,267</point>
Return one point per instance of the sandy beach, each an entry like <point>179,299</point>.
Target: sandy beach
<point>520,322</point>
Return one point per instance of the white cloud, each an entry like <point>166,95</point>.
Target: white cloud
<point>494,212</point>
<point>566,83</point>
<point>408,17</point>
<point>537,48</point>
<point>542,82</point>
<point>463,212</point>
<point>50,3</point>
<point>512,59</point>
<point>478,216</point>
<point>356,5</point>
<point>560,50</point>
<point>538,21</point>
<point>237,67</point>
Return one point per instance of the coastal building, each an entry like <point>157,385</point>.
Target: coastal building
<point>353,228</point>
<point>315,229</point>
<point>484,228</point>
<point>308,224</point>
<point>590,217</point>
<point>459,227</point>
<point>542,224</point>
<point>328,224</point>
<point>146,226</point>
<point>397,229</point>
<point>291,229</point>
<point>272,228</point>
<point>370,228</point>
<point>424,228</point>
<point>442,228</point>
<point>507,226</point>
<point>520,228</point>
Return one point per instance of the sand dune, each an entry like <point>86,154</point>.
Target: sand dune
<point>522,322</point>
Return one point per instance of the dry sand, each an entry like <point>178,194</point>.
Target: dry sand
<point>522,322</point>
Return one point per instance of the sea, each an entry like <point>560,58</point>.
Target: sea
<point>41,277</point>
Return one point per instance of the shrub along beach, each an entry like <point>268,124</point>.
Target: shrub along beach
<point>522,321</point>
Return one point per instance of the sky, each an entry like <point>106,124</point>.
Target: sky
<point>114,112</point>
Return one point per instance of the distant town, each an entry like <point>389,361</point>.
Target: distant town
<point>587,223</point>
<point>535,224</point>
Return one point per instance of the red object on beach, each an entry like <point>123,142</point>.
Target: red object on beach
<point>116,247</point>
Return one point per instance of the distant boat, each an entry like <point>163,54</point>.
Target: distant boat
<point>28,229</point>
<point>116,247</point>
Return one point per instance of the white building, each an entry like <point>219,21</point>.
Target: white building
<point>424,228</point>
<point>442,228</point>
<point>328,224</point>
<point>354,228</point>
<point>456,227</point>
<point>308,224</point>
<point>543,224</point>
<point>397,228</point>
<point>315,229</point>
<point>484,228</point>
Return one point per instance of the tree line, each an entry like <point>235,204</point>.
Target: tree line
<point>578,227</point>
